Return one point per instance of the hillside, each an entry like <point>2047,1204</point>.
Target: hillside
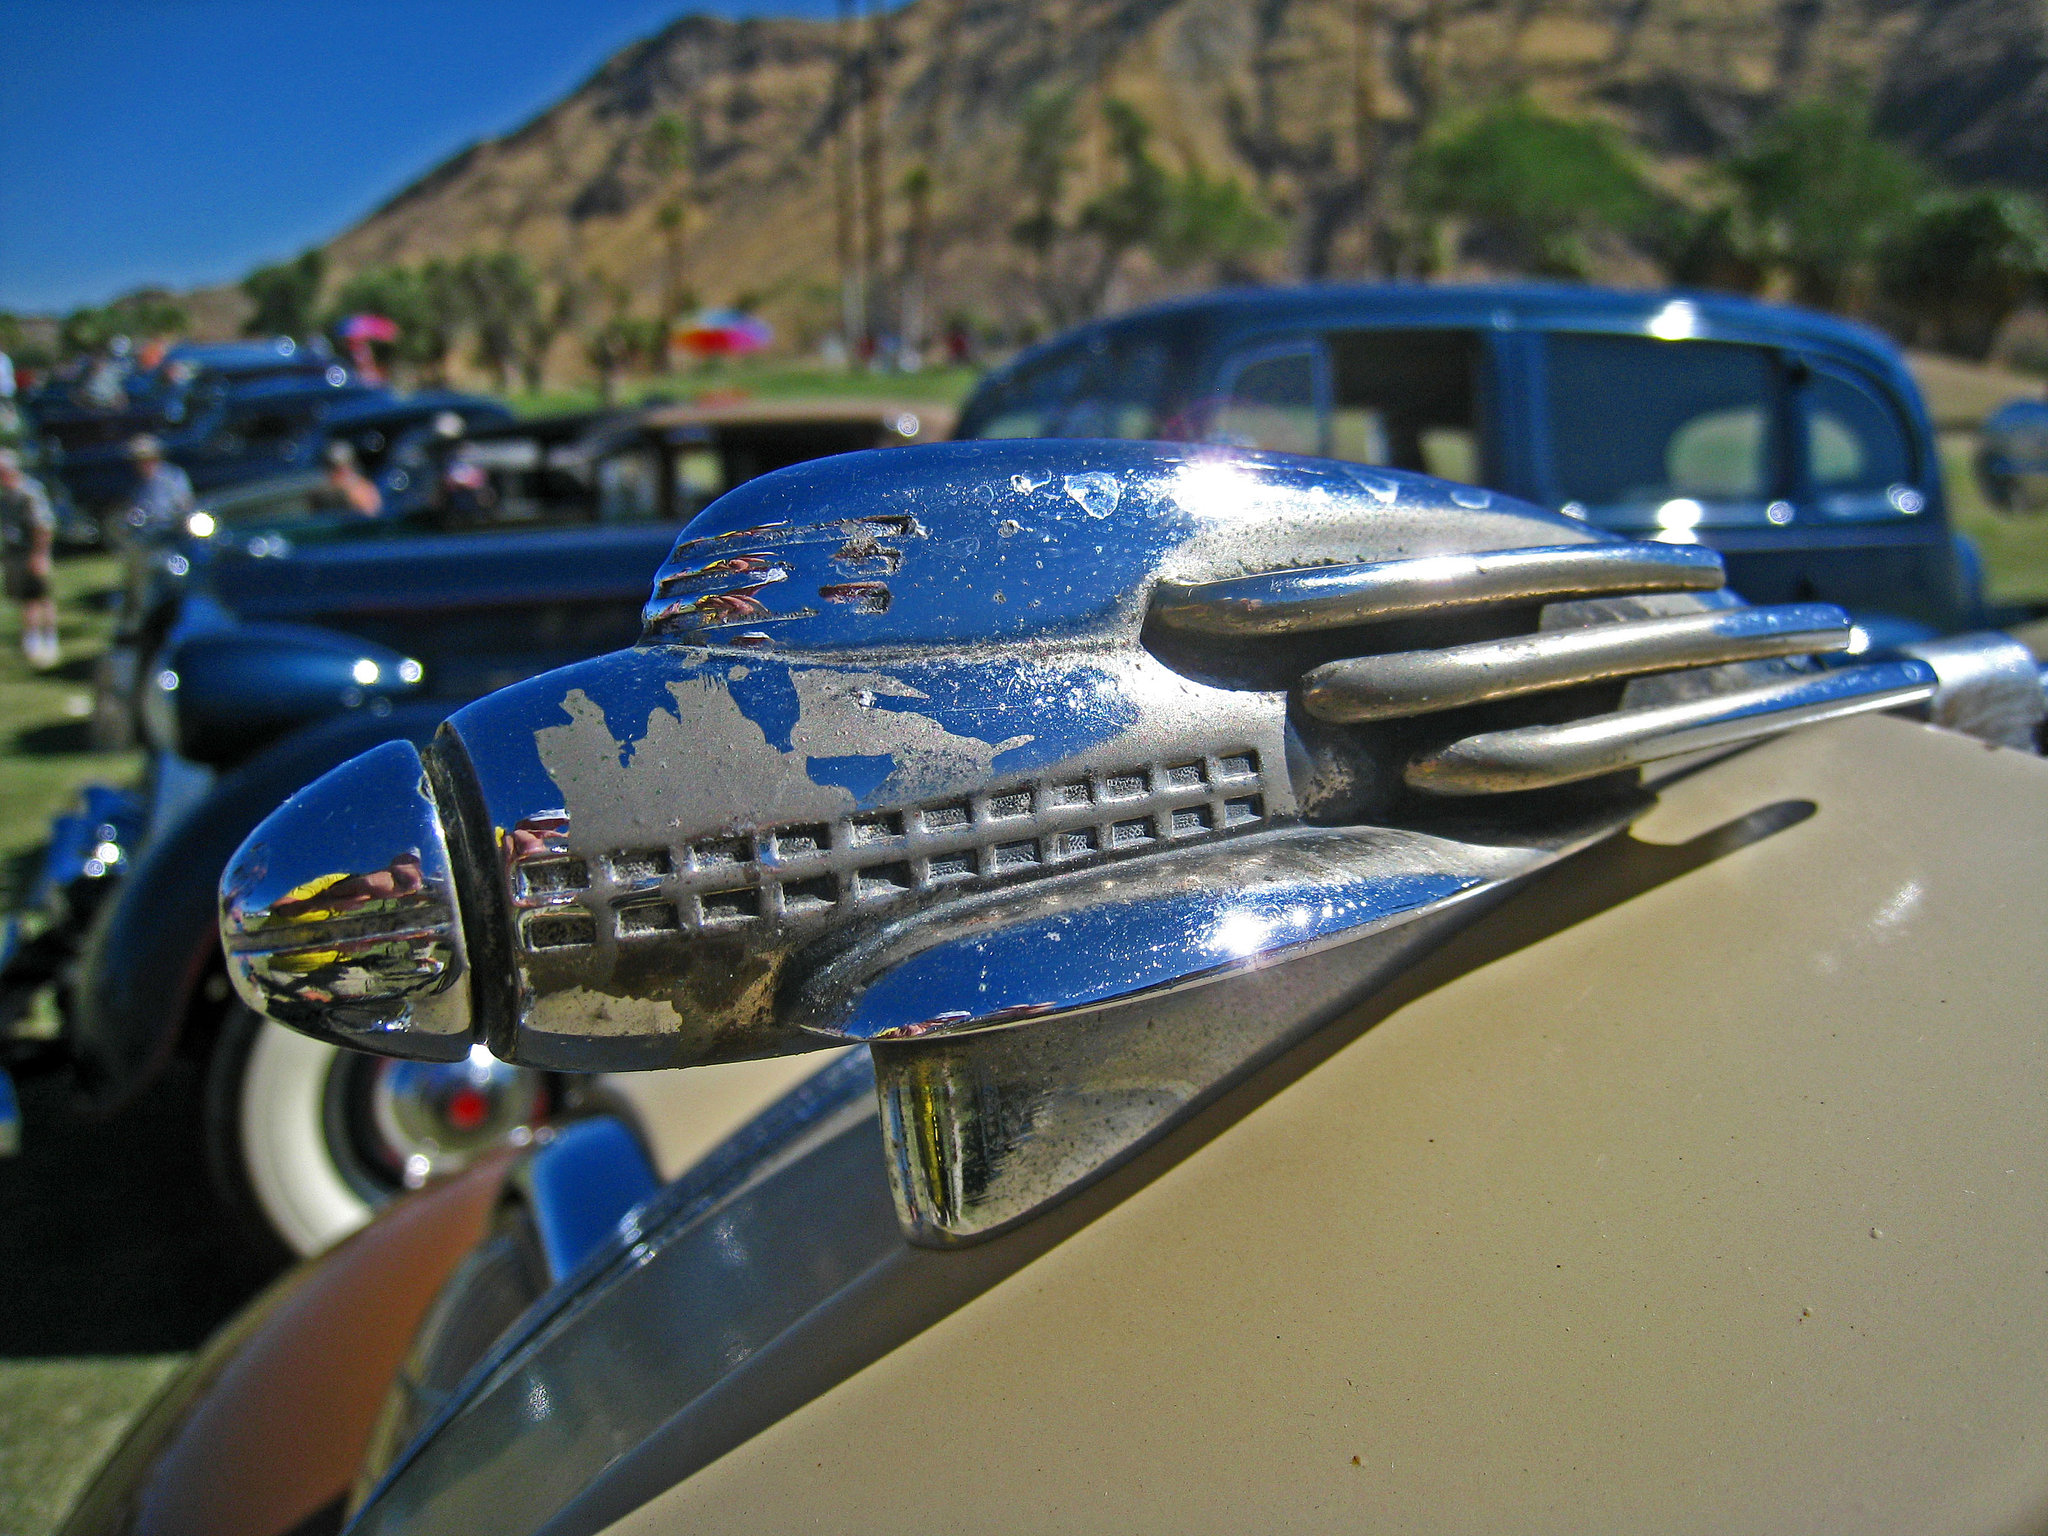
<point>1281,94</point>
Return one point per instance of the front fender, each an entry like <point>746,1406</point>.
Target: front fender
<point>152,945</point>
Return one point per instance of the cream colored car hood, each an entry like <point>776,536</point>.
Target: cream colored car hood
<point>1724,1209</point>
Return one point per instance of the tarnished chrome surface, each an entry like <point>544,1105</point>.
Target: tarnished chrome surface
<point>339,915</point>
<point>1288,602</point>
<point>1987,685</point>
<point>1420,682</point>
<point>1538,756</point>
<point>993,741</point>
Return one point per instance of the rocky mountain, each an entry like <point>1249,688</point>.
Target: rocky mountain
<point>891,145</point>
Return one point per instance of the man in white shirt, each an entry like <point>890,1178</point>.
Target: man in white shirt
<point>163,494</point>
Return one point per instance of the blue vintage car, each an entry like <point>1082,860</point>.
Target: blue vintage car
<point>225,412</point>
<point>1793,443</point>
<point>263,654</point>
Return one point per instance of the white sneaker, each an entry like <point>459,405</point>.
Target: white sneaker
<point>40,647</point>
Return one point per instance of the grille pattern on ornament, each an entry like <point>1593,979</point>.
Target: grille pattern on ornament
<point>810,868</point>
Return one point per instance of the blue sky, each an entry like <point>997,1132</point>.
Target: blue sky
<point>186,141</point>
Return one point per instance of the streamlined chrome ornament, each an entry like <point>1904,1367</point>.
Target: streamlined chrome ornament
<point>989,755</point>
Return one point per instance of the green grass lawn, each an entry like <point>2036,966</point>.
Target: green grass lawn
<point>2015,549</point>
<point>771,381</point>
<point>44,752</point>
<point>58,1416</point>
<point>59,1419</point>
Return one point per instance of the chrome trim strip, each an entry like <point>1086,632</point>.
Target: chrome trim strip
<point>1422,682</point>
<point>1537,756</point>
<point>1329,597</point>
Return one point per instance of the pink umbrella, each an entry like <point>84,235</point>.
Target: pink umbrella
<point>367,328</point>
<point>724,333</point>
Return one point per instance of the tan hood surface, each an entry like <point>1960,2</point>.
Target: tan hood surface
<point>1725,1209</point>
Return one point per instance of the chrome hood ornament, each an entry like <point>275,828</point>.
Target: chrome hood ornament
<point>985,756</point>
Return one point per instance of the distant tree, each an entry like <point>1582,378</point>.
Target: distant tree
<point>1215,221</point>
<point>86,329</point>
<point>1045,159</point>
<point>146,312</point>
<point>549,320</point>
<point>424,302</point>
<point>669,150</point>
<point>16,342</point>
<point>392,292</point>
<point>622,342</point>
<point>500,297</point>
<point>1711,248</point>
<point>285,296</point>
<point>1180,219</point>
<point>917,202</point>
<point>1130,212</point>
<point>1533,185</point>
<point>1817,195</point>
<point>1960,263</point>
<point>442,310</point>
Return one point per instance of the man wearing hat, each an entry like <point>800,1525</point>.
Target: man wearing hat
<point>163,494</point>
<point>26,529</point>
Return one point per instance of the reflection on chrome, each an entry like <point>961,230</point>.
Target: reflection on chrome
<point>340,918</point>
<point>1677,519</point>
<point>434,1117</point>
<point>1296,601</point>
<point>1539,756</point>
<point>1419,682</point>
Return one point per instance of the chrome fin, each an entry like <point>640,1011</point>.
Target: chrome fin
<point>1539,756</point>
<point>1333,597</point>
<point>1424,682</point>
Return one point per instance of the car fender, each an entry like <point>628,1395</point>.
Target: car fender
<point>262,1431</point>
<point>153,944</point>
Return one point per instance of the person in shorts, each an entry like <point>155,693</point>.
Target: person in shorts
<point>27,528</point>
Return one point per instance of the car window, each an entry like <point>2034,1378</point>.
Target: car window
<point>268,430</point>
<point>1120,395</point>
<point>1859,462</point>
<point>1272,399</point>
<point>1408,399</point>
<point>280,509</point>
<point>1105,389</point>
<point>1637,422</point>
<point>629,487</point>
<point>1035,403</point>
<point>700,480</point>
<point>526,484</point>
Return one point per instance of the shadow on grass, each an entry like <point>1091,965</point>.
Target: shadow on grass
<point>111,1242</point>
<point>79,669</point>
<point>58,738</point>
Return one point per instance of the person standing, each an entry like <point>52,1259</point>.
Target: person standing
<point>27,529</point>
<point>163,493</point>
